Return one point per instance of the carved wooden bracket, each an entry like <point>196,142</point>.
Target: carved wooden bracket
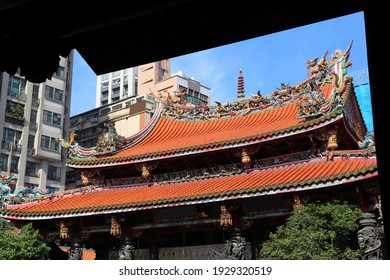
<point>64,230</point>
<point>332,143</point>
<point>225,218</point>
<point>245,153</point>
<point>116,229</point>
<point>146,167</point>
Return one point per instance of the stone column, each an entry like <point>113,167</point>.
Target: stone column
<point>369,238</point>
<point>235,246</point>
<point>75,251</point>
<point>126,249</point>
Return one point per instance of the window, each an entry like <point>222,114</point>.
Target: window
<point>45,142</point>
<point>58,94</point>
<point>54,145</point>
<point>105,111</point>
<point>14,165</point>
<point>33,116</point>
<point>31,140</point>
<point>49,143</point>
<point>56,119</point>
<point>53,93</point>
<point>47,116</point>
<point>52,118</point>
<point>31,169</point>
<point>203,97</point>
<point>49,92</point>
<point>54,173</point>
<point>105,94</point>
<point>117,107</point>
<point>115,91</point>
<point>16,85</point>
<point>3,162</point>
<point>10,136</point>
<point>35,92</point>
<point>52,189</point>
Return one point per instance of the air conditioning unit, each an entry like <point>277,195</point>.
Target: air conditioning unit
<point>94,120</point>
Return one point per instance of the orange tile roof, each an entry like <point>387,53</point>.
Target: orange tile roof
<point>88,254</point>
<point>171,137</point>
<point>317,172</point>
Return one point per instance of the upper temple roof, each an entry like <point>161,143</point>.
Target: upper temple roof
<point>177,130</point>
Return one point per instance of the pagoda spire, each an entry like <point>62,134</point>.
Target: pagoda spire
<point>240,87</point>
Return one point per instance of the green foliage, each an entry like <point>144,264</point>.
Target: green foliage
<point>27,244</point>
<point>15,110</point>
<point>315,232</point>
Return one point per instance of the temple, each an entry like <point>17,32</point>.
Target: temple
<point>211,182</point>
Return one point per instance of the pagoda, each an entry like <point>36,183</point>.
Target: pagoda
<point>211,182</point>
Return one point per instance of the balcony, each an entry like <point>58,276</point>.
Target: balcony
<point>17,96</point>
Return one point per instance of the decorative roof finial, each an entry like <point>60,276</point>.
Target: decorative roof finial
<point>241,87</point>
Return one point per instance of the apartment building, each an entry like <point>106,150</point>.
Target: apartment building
<point>32,117</point>
<point>156,77</point>
<point>114,86</point>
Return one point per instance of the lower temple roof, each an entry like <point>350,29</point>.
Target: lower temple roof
<point>296,176</point>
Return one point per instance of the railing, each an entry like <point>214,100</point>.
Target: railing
<point>21,97</point>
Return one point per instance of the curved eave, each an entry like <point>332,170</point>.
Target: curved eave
<point>305,175</point>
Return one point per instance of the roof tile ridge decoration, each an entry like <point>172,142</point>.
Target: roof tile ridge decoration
<point>306,175</point>
<point>110,142</point>
<point>309,93</point>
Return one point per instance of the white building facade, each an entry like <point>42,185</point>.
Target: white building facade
<point>114,86</point>
<point>32,117</point>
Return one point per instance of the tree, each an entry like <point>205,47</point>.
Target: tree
<point>315,232</point>
<point>26,244</point>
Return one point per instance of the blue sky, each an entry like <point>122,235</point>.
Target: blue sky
<point>266,61</point>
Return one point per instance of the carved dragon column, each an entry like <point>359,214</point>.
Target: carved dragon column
<point>235,246</point>
<point>126,249</point>
<point>369,238</point>
<point>76,251</point>
<point>70,231</point>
